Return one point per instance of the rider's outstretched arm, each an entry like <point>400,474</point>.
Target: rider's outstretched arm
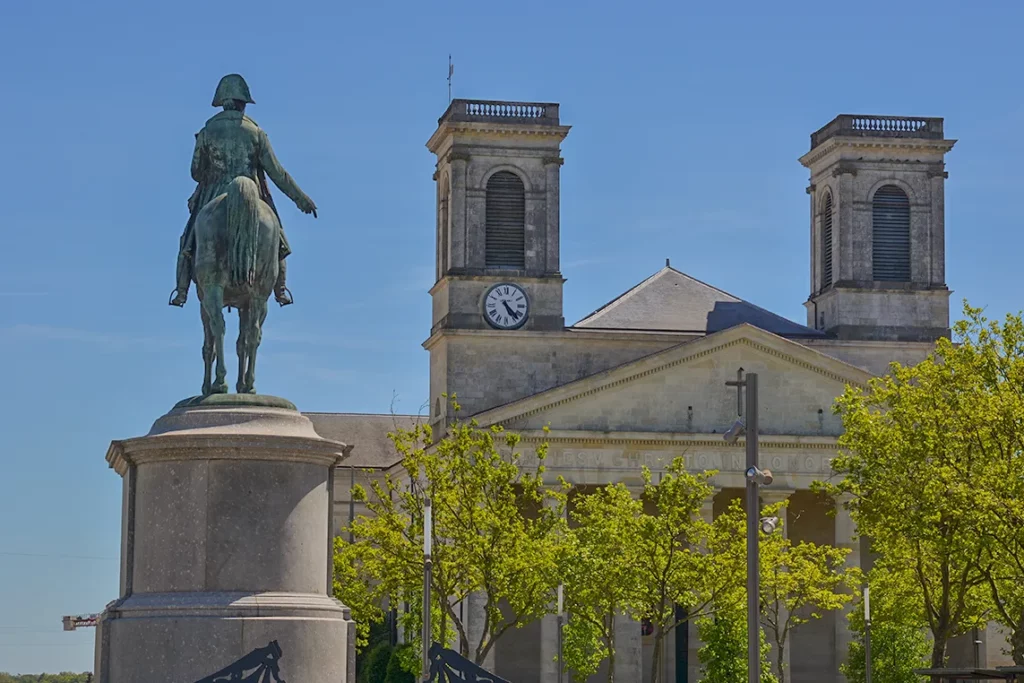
<point>280,177</point>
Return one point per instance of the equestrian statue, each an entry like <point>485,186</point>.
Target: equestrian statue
<point>234,247</point>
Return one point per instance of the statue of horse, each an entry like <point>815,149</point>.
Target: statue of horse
<point>235,265</point>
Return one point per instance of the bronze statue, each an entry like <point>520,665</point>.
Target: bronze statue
<point>234,247</point>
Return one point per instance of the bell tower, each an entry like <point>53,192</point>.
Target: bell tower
<point>877,193</point>
<point>498,166</point>
<point>497,298</point>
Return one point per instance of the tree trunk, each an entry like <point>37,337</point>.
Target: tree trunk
<point>779,662</point>
<point>611,652</point>
<point>1017,641</point>
<point>938,655</point>
<point>656,658</point>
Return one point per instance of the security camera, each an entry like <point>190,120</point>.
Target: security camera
<point>769,525</point>
<point>733,434</point>
<point>759,477</point>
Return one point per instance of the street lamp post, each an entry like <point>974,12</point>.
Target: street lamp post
<point>867,635</point>
<point>427,568</point>
<point>561,622</point>
<point>755,478</point>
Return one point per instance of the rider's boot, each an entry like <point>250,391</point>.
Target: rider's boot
<point>180,294</point>
<point>282,294</point>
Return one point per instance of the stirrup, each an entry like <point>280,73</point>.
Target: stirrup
<point>174,295</point>
<point>283,296</point>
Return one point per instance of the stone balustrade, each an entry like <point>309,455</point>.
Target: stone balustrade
<point>496,111</point>
<point>865,126</point>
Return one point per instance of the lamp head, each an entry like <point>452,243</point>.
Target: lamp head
<point>769,525</point>
<point>734,432</point>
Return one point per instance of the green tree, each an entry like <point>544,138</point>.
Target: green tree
<point>600,575</point>
<point>799,583</point>
<point>682,559</point>
<point>723,655</point>
<point>497,531</point>
<point>899,639</point>
<point>993,352</point>
<point>915,456</point>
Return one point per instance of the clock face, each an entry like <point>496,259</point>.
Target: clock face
<point>506,306</point>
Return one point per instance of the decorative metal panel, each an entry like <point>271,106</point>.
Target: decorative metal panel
<point>826,242</point>
<point>890,232</point>
<point>506,221</point>
<point>448,666</point>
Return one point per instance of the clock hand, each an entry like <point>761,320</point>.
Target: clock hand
<point>514,314</point>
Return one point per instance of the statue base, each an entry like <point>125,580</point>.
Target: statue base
<point>226,549</point>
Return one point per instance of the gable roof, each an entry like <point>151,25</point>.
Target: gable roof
<point>673,301</point>
<point>744,333</point>
<point>366,433</point>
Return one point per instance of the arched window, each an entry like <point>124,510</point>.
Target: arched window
<point>506,221</point>
<point>826,241</point>
<point>890,234</point>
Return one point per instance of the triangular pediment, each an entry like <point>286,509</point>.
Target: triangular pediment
<point>682,389</point>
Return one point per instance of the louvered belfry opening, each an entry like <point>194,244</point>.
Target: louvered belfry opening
<point>826,242</point>
<point>506,221</point>
<point>890,232</point>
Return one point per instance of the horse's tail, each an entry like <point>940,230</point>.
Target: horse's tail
<point>243,202</point>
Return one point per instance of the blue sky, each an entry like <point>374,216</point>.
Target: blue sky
<point>688,119</point>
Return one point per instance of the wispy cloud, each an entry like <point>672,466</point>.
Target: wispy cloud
<point>338,341</point>
<point>584,262</point>
<point>113,342</point>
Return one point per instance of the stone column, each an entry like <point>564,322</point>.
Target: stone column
<point>476,617</point>
<point>773,497</point>
<point>694,643</point>
<point>846,537</point>
<point>552,169</point>
<point>226,548</point>
<point>629,655</point>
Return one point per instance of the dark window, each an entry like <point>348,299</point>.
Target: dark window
<point>506,221</point>
<point>890,234</point>
<point>826,242</point>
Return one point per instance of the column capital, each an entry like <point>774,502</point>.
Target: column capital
<point>772,496</point>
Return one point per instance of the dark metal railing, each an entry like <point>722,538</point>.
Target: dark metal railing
<point>500,111</point>
<point>858,125</point>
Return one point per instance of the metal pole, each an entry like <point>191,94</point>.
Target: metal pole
<point>427,568</point>
<point>561,620</point>
<point>753,560</point>
<point>867,635</point>
<point>977,648</point>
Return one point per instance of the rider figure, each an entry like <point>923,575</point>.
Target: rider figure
<point>228,146</point>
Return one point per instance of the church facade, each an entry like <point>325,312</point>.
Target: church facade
<point>642,379</point>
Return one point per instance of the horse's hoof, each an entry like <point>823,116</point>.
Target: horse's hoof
<point>219,388</point>
<point>206,390</point>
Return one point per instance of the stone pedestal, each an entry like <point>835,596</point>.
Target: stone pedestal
<point>226,548</point>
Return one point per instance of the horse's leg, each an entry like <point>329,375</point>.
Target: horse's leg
<point>207,349</point>
<point>257,316</point>
<point>213,302</point>
<point>240,347</point>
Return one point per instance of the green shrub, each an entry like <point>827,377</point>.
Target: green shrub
<point>375,667</point>
<point>397,673</point>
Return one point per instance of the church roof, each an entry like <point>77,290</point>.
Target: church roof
<point>366,433</point>
<point>672,301</point>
